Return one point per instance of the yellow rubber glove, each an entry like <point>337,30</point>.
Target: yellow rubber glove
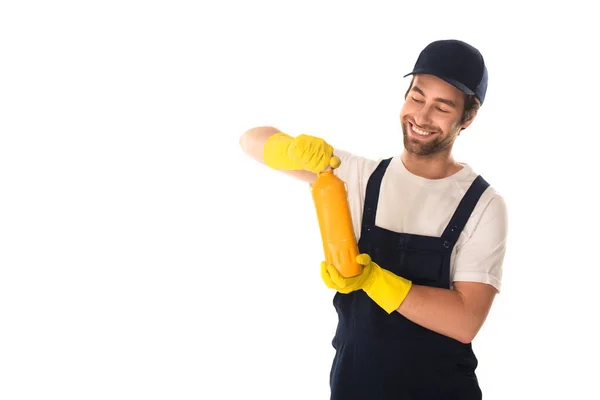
<point>304,152</point>
<point>385,288</point>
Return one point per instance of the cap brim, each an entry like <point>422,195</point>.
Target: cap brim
<point>453,82</point>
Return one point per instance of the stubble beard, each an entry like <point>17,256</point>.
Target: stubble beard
<point>428,148</point>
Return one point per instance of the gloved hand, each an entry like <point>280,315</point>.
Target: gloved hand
<point>387,289</point>
<point>304,152</point>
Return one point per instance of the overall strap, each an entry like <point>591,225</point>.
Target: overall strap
<point>372,194</point>
<point>464,211</point>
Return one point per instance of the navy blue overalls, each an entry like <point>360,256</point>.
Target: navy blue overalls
<point>381,356</point>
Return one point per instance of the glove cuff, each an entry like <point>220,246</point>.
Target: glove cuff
<point>275,152</point>
<point>387,289</point>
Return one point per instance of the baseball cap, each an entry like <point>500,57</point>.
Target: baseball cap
<point>457,63</point>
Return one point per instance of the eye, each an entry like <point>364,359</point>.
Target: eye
<point>417,101</point>
<point>441,110</point>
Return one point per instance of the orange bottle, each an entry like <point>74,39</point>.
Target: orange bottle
<point>335,221</point>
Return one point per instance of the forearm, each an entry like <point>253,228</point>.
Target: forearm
<point>457,313</point>
<point>253,141</point>
<point>441,310</point>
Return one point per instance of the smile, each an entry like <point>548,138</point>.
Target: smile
<point>419,132</point>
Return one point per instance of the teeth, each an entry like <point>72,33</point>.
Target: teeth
<point>420,132</point>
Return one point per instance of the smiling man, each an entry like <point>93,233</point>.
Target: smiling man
<point>432,236</point>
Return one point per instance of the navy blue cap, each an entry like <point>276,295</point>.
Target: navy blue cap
<point>456,62</point>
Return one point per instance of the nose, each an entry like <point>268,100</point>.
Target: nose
<point>423,116</point>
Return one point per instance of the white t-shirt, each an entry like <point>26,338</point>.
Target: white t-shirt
<point>411,204</point>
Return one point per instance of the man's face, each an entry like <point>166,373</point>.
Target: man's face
<point>431,115</point>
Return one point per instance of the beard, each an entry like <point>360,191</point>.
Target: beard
<point>430,147</point>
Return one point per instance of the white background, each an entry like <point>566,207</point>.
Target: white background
<point>144,256</point>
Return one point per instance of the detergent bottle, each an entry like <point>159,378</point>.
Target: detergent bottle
<point>335,221</point>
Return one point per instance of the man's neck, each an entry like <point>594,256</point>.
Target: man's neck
<point>438,166</point>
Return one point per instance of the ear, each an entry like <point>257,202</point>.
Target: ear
<point>468,122</point>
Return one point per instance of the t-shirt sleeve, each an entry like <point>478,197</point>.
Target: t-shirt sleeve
<point>355,171</point>
<point>481,257</point>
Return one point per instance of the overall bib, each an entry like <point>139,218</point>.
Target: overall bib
<point>381,356</point>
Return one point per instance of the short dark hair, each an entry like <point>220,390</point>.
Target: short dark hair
<point>472,104</point>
